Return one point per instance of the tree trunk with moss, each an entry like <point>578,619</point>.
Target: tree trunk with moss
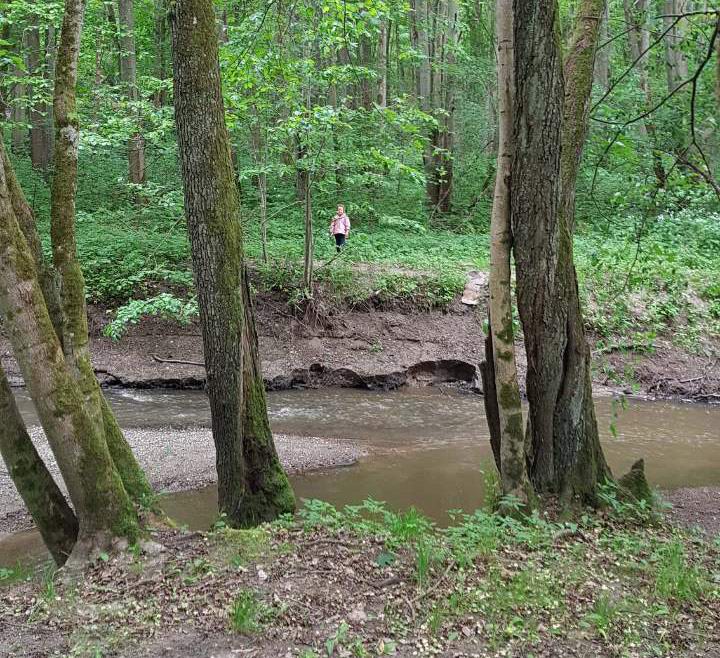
<point>40,155</point>
<point>50,511</point>
<point>100,501</point>
<point>252,486</point>
<point>74,329</point>
<point>550,127</point>
<point>506,405</point>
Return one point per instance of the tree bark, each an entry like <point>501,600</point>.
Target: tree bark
<point>252,486</point>
<point>74,330</point>
<point>637,17</point>
<point>676,64</point>
<point>128,76</point>
<point>602,59</point>
<point>160,97</point>
<point>101,503</point>
<point>507,405</point>
<point>550,126</point>
<point>39,137</point>
<point>50,511</point>
<point>383,47</point>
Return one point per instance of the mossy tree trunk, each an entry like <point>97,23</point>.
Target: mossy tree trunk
<point>52,515</point>
<point>550,126</point>
<point>252,486</point>
<point>101,503</point>
<point>502,400</point>
<point>74,333</point>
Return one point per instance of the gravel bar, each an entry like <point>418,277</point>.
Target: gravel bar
<point>182,459</point>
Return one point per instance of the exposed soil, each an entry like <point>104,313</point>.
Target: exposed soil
<point>373,347</point>
<point>178,460</point>
<point>696,508</point>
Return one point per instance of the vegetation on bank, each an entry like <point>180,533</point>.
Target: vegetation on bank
<point>647,263</point>
<point>367,581</point>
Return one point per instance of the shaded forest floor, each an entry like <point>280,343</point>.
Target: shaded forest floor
<point>368,582</point>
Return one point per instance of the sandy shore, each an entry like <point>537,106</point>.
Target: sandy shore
<point>177,460</point>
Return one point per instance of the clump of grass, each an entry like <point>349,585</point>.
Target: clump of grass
<point>245,613</point>
<point>675,579</point>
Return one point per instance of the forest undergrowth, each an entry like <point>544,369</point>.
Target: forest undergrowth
<point>368,581</point>
<point>648,260</point>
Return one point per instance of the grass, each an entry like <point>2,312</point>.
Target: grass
<point>622,583</point>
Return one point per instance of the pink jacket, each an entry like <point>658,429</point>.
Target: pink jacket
<point>340,224</point>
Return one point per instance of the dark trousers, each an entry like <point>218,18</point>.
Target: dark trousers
<point>339,241</point>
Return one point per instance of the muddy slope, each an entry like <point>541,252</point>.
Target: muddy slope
<point>371,347</point>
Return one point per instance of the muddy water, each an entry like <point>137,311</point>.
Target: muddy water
<point>425,444</point>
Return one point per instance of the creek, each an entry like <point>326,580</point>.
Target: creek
<point>425,446</point>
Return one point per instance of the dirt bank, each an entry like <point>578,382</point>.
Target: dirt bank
<point>177,460</point>
<point>374,347</point>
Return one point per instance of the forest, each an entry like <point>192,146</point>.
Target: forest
<point>360,328</point>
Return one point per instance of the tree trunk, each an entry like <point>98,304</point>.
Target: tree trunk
<point>259,153</point>
<point>676,63</point>
<point>45,502</point>
<point>18,113</point>
<point>39,140</point>
<point>101,503</point>
<point>383,48</point>
<point>128,76</point>
<point>252,486</point>
<point>160,97</point>
<point>74,330</point>
<point>309,245</point>
<point>564,449</point>
<point>637,17</point>
<point>602,60</point>
<point>506,406</point>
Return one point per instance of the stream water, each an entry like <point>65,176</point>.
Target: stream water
<point>426,446</point>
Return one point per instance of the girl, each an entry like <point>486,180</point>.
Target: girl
<point>340,227</point>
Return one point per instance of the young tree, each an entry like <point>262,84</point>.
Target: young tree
<point>550,126</point>
<point>252,486</point>
<point>128,76</point>
<point>502,393</point>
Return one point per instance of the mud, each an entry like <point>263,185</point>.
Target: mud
<point>373,348</point>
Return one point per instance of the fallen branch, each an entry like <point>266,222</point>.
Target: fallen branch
<point>179,361</point>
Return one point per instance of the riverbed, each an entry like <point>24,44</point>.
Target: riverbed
<point>423,447</point>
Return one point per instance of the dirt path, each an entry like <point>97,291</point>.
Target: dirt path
<point>178,460</point>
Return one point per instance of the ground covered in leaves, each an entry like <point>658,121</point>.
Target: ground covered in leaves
<point>365,581</point>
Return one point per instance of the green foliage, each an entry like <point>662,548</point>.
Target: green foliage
<point>246,612</point>
<point>164,305</point>
<point>675,579</point>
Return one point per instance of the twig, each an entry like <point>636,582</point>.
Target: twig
<point>180,361</point>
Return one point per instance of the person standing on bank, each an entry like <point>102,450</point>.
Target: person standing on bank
<point>340,227</point>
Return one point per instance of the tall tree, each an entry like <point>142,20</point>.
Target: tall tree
<point>676,63</point>
<point>252,486</point>
<point>550,126</point>
<point>40,129</point>
<point>502,393</point>
<point>128,76</point>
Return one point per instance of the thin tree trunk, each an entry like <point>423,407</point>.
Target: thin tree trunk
<point>18,114</point>
<point>676,64</point>
<point>309,245</point>
<point>602,60</point>
<point>259,153</point>
<point>160,97</point>
<point>507,405</point>
<point>252,486</point>
<point>383,44</point>
<point>565,455</point>
<point>637,17</point>
<point>50,58</point>
<point>50,511</point>
<point>39,146</point>
<point>128,76</point>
